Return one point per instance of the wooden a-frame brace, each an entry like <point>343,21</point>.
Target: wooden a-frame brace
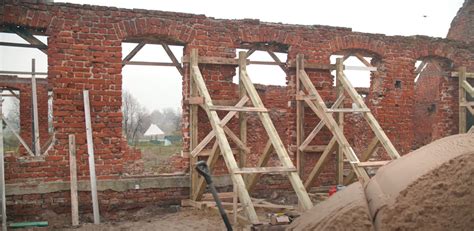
<point>338,142</point>
<point>464,105</point>
<point>222,147</point>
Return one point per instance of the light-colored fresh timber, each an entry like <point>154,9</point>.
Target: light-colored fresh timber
<point>211,162</point>
<point>330,148</point>
<point>285,160</point>
<point>262,161</point>
<point>90,150</point>
<point>468,88</point>
<point>239,109</point>
<point>320,125</point>
<point>462,99</point>
<point>372,148</point>
<point>315,148</point>
<point>300,157</point>
<point>222,140</point>
<point>374,125</point>
<point>340,121</point>
<point>211,134</point>
<point>347,110</point>
<point>242,115</point>
<point>73,178</point>
<point>373,163</point>
<point>319,107</point>
<point>193,119</point>
<point>468,75</point>
<point>236,139</point>
<point>260,170</point>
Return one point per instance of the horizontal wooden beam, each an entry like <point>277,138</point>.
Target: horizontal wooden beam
<point>240,109</point>
<point>194,100</point>
<point>39,46</point>
<point>373,163</point>
<point>292,64</point>
<point>263,170</point>
<point>358,68</point>
<point>213,60</point>
<point>315,148</point>
<point>468,74</point>
<point>348,110</point>
<point>23,73</point>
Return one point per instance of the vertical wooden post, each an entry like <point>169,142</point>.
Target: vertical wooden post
<point>340,121</point>
<point>242,115</point>
<point>193,117</point>
<point>73,177</point>
<point>234,203</point>
<point>462,100</point>
<point>90,150</point>
<point>299,118</point>
<point>36,139</point>
<point>2,172</point>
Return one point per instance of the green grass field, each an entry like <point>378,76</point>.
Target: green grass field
<point>156,156</point>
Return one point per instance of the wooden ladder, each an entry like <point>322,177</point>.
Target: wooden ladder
<point>219,130</point>
<point>315,102</point>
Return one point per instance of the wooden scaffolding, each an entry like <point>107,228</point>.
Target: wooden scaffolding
<point>465,105</point>
<point>248,96</point>
<point>333,119</point>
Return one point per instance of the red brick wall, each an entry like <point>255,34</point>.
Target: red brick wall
<point>85,53</point>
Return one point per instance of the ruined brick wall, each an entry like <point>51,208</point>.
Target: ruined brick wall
<point>84,52</point>
<point>462,26</point>
<point>436,93</point>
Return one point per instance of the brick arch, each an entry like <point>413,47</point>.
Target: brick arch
<point>357,42</point>
<point>166,29</point>
<point>439,51</point>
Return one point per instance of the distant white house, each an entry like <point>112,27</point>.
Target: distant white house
<point>154,133</point>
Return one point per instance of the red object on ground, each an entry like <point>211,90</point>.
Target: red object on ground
<point>332,190</point>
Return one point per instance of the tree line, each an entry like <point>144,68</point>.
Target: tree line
<point>137,119</point>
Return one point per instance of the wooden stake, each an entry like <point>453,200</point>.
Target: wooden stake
<point>36,137</point>
<point>242,115</point>
<point>2,173</point>
<point>90,150</point>
<point>340,121</point>
<point>462,99</point>
<point>73,176</point>
<point>193,121</point>
<point>299,118</point>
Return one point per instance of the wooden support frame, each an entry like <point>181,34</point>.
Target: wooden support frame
<point>73,180</point>
<point>220,131</point>
<point>339,142</point>
<point>464,105</point>
<point>34,97</point>
<point>27,36</point>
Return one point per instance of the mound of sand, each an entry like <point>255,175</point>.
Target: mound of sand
<point>428,189</point>
<point>347,208</point>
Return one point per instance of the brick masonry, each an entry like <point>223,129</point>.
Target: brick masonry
<point>84,52</point>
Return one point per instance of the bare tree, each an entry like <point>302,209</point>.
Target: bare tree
<point>135,117</point>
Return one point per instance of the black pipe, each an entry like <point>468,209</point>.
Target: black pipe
<point>203,169</point>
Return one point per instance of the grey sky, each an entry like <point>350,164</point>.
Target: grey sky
<point>160,87</point>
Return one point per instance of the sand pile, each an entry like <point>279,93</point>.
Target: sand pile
<point>428,189</point>
<point>348,208</point>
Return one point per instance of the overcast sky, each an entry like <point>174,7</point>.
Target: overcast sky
<point>160,87</point>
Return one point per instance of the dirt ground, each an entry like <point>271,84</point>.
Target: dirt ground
<point>185,219</point>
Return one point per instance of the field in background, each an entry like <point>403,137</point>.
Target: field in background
<point>156,156</point>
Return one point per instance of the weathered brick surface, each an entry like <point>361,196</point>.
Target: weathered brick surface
<point>85,53</point>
